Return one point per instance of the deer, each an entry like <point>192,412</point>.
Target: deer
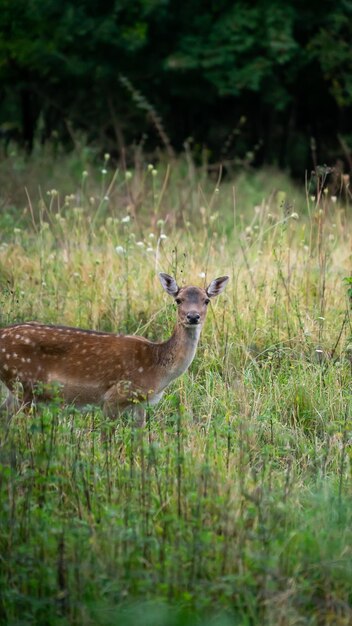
<point>113,371</point>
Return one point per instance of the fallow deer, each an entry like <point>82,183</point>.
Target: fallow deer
<point>91,367</point>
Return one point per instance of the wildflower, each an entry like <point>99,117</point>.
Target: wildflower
<point>128,175</point>
<point>160,223</point>
<point>151,236</point>
<point>312,198</point>
<point>201,274</point>
<point>119,250</point>
<point>150,167</point>
<point>150,250</point>
<point>154,172</point>
<point>84,174</point>
<point>106,198</point>
<point>104,171</point>
<point>163,236</point>
<point>333,199</point>
<point>106,156</point>
<point>140,244</point>
<point>126,219</point>
<point>294,216</point>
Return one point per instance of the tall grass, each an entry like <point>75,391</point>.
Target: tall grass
<point>233,505</point>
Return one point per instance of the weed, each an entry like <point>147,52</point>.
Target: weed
<point>234,504</point>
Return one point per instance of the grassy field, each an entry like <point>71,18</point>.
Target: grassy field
<point>233,505</point>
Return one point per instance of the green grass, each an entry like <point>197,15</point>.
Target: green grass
<point>233,505</point>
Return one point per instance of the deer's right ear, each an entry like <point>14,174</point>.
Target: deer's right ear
<point>169,284</point>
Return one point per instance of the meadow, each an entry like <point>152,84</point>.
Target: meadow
<point>233,505</point>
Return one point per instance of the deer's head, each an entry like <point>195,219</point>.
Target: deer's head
<point>192,302</point>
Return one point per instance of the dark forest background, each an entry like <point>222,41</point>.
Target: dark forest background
<point>269,82</point>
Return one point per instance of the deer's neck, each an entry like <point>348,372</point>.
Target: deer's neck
<point>177,353</point>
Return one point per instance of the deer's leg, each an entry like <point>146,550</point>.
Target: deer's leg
<point>113,411</point>
<point>139,415</point>
<point>10,405</point>
<point>19,397</point>
<point>119,398</point>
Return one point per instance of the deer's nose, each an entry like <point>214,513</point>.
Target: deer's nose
<point>193,318</point>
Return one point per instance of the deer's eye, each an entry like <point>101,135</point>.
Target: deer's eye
<point>178,300</point>
<point>206,301</point>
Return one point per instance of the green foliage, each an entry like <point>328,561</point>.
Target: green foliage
<point>331,49</point>
<point>201,68</point>
<point>242,49</point>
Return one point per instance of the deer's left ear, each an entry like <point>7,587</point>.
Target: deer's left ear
<point>217,286</point>
<point>169,284</point>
